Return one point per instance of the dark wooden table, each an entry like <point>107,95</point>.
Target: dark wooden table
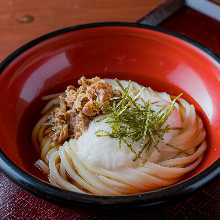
<point>15,203</point>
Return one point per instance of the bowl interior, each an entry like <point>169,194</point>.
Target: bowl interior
<point>151,58</point>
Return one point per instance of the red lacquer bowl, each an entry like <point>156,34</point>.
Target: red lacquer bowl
<point>150,56</point>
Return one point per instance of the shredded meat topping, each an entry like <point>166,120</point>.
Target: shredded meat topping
<point>78,106</point>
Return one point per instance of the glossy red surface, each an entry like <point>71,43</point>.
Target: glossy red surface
<point>151,58</point>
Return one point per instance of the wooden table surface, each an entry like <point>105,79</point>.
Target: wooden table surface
<point>15,203</point>
<point>24,20</point>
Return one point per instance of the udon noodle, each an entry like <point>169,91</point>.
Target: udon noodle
<point>85,162</point>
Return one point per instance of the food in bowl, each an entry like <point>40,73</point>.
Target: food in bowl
<point>117,137</point>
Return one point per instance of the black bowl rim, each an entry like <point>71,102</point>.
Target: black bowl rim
<point>55,194</point>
